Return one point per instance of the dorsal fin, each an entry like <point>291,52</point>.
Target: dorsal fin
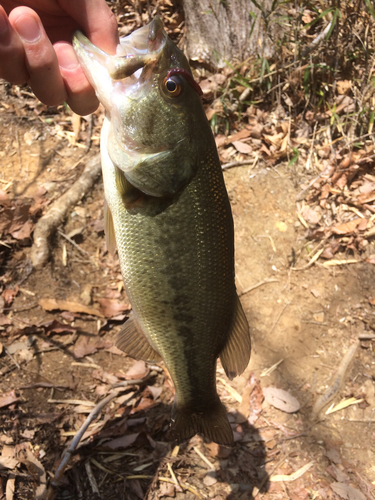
<point>236,353</point>
<point>133,342</point>
<point>109,229</point>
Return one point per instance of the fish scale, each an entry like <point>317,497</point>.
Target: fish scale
<point>169,214</point>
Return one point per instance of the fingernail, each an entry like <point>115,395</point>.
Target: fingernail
<point>66,56</point>
<point>28,28</point>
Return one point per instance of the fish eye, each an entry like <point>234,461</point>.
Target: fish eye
<point>172,85</point>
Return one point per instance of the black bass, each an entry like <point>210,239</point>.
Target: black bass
<point>169,215</point>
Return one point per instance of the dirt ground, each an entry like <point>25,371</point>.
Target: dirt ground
<point>302,321</point>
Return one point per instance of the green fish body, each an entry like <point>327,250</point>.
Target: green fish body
<point>169,215</point>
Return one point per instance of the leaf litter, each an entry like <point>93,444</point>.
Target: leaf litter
<point>336,209</point>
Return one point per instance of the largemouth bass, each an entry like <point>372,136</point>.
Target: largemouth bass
<point>168,212</point>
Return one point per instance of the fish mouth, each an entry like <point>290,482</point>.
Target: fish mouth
<point>141,48</point>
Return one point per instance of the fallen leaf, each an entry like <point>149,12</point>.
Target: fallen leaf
<point>311,215</point>
<point>85,346</point>
<point>343,86</point>
<point>112,307</point>
<point>242,147</point>
<point>137,371</point>
<point>216,450</point>
<point>9,295</point>
<point>55,326</point>
<point>65,305</point>
<point>8,398</point>
<point>347,492</point>
<point>23,232</point>
<point>166,489</point>
<point>36,470</point>
<point>122,442</point>
<point>242,134</point>
<point>17,346</point>
<point>346,227</point>
<point>10,487</point>
<point>280,399</point>
<point>210,478</point>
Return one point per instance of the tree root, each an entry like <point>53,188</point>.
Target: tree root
<point>47,225</point>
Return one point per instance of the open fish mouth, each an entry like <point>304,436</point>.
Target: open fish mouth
<point>141,48</point>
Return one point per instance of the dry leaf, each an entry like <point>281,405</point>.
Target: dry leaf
<point>137,371</point>
<point>122,442</point>
<point>8,295</point>
<point>242,134</point>
<point>65,305</point>
<point>347,492</point>
<point>112,307</point>
<point>166,489</point>
<point>85,346</point>
<point>343,86</point>
<point>10,487</point>
<point>8,398</point>
<point>346,227</point>
<point>242,147</point>
<point>280,399</point>
<point>311,215</point>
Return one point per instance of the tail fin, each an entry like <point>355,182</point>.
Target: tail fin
<point>212,422</point>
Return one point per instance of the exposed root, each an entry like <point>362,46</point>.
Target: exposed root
<point>47,224</point>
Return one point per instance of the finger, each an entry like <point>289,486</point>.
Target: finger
<point>81,95</point>
<point>12,55</point>
<point>97,20</point>
<point>40,58</point>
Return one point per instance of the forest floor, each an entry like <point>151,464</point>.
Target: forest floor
<point>58,358</point>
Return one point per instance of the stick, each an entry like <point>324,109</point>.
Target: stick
<point>49,222</point>
<point>337,381</point>
<point>92,416</point>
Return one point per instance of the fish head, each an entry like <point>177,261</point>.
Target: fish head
<point>154,107</point>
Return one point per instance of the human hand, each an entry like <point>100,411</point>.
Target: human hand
<point>35,47</point>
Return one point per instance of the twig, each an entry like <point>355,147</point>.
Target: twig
<point>92,480</point>
<point>337,381</point>
<point>236,164</point>
<point>279,316</point>
<point>73,445</point>
<point>85,252</point>
<point>317,40</point>
<point>205,460</point>
<point>11,357</point>
<point>19,309</point>
<point>311,261</point>
<point>52,219</point>
<point>366,336</point>
<point>257,285</point>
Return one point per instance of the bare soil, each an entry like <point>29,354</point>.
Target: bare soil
<point>305,320</point>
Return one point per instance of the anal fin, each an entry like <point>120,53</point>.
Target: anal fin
<point>236,354</point>
<point>133,342</point>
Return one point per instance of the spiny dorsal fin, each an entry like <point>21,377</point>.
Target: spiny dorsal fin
<point>129,194</point>
<point>109,229</point>
<point>236,354</point>
<point>132,340</point>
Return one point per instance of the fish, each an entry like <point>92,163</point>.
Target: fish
<point>168,213</point>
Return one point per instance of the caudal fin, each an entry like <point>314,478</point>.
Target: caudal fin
<point>211,421</point>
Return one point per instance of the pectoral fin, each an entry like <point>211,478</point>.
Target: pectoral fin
<point>132,340</point>
<point>130,195</point>
<point>236,354</point>
<point>109,229</point>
